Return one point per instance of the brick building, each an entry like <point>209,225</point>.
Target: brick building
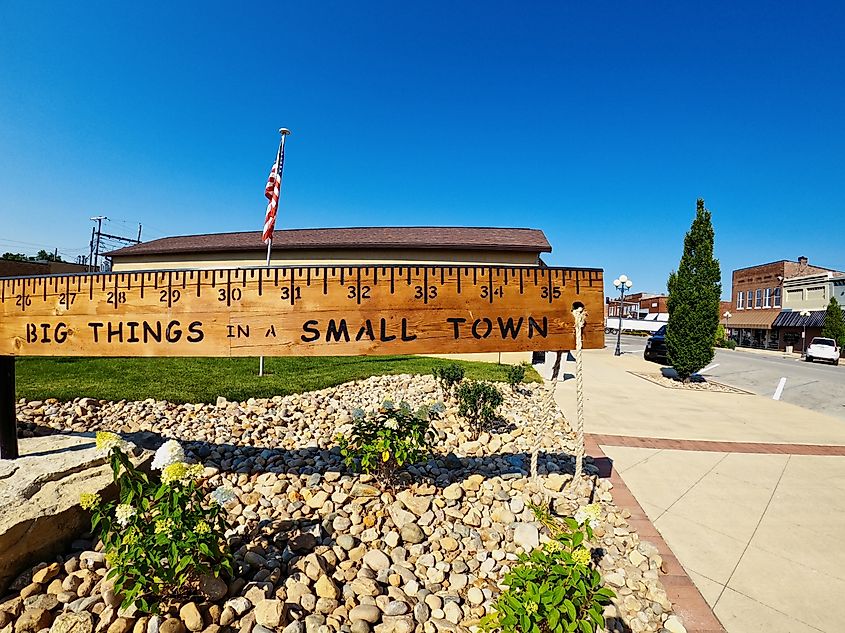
<point>757,299</point>
<point>640,305</point>
<point>14,268</point>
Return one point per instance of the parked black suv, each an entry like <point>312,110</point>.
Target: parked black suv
<point>655,347</point>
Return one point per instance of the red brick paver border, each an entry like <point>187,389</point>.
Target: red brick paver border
<point>717,447</point>
<point>689,605</point>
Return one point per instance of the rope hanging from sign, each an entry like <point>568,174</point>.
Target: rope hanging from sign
<point>550,411</point>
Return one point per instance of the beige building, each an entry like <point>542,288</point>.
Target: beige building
<point>813,292</point>
<point>344,246</point>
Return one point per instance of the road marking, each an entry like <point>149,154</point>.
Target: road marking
<point>713,366</point>
<point>779,389</point>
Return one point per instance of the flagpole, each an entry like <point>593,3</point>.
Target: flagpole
<point>284,132</point>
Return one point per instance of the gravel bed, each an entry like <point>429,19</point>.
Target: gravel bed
<point>321,549</point>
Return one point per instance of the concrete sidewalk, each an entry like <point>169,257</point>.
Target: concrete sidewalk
<point>620,403</point>
<point>758,528</point>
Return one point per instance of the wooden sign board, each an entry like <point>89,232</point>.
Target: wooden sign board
<point>302,311</point>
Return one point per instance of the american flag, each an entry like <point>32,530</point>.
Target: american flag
<point>271,191</point>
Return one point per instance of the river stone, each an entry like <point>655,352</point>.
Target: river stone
<point>213,588</point>
<point>171,625</point>
<point>270,613</point>
<point>325,588</point>
<point>191,616</point>
<point>366,612</point>
<point>32,620</point>
<point>526,535</point>
<point>412,533</point>
<point>81,622</point>
<point>376,560</point>
<point>673,625</point>
<point>453,492</point>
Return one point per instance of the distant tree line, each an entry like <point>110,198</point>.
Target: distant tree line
<point>42,256</point>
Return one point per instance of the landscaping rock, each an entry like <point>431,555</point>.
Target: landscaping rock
<point>81,622</point>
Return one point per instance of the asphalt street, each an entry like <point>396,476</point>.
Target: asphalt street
<point>816,386</point>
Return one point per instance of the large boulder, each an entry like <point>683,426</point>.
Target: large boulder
<point>39,499</point>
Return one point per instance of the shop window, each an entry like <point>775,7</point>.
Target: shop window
<point>739,298</point>
<point>759,303</point>
<point>767,301</point>
<point>777,297</point>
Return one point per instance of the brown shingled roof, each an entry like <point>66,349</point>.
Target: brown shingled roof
<point>474,238</point>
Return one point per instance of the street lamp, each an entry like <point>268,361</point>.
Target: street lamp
<point>804,313</point>
<point>623,283</point>
<point>727,316</point>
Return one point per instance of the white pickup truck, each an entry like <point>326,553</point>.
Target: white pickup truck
<point>823,349</point>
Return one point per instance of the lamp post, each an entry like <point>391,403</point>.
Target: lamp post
<point>623,283</point>
<point>727,316</point>
<point>804,314</point>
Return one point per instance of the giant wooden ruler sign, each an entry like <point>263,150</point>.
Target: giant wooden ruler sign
<point>301,311</point>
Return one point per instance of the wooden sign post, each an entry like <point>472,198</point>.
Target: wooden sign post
<point>294,311</point>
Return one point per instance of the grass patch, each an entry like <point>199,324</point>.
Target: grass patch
<point>204,379</point>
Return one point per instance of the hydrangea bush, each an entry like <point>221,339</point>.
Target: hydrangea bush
<point>387,440</point>
<point>160,537</point>
<point>555,588</point>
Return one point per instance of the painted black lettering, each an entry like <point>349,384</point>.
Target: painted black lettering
<point>337,330</point>
<point>488,325</point>
<point>60,335</point>
<point>96,327</point>
<point>456,323</point>
<point>541,330</point>
<point>45,330</point>
<point>132,338</point>
<point>405,335</point>
<point>114,331</point>
<point>313,333</point>
<point>382,335</point>
<point>508,328</point>
<point>152,332</point>
<point>366,330</point>
<point>231,331</point>
<point>271,332</point>
<point>173,333</point>
<point>31,333</point>
<point>243,331</point>
<point>195,332</point>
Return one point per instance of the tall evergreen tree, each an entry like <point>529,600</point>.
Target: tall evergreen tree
<point>694,293</point>
<point>834,323</point>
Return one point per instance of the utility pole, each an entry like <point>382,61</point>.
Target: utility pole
<point>96,239</point>
<point>99,220</point>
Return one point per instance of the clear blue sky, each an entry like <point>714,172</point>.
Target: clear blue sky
<point>600,123</point>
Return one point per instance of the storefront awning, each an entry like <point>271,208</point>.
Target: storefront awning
<point>755,319</point>
<point>793,318</point>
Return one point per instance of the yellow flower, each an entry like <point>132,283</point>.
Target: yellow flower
<point>385,456</point>
<point>164,526</point>
<point>531,607</point>
<point>581,556</point>
<point>181,472</point>
<point>89,500</point>
<point>553,546</point>
<point>130,538</point>
<point>203,528</point>
<point>174,472</point>
<point>106,441</point>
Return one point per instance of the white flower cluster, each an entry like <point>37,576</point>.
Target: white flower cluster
<point>392,424</point>
<point>588,514</point>
<point>106,441</point>
<point>168,453</point>
<point>222,495</point>
<point>124,513</point>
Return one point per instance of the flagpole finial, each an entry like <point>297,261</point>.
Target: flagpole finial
<point>284,131</point>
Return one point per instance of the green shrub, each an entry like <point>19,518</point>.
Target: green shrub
<point>555,588</point>
<point>448,376</point>
<point>515,375</point>
<point>159,537</point>
<point>382,443</point>
<point>477,403</point>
